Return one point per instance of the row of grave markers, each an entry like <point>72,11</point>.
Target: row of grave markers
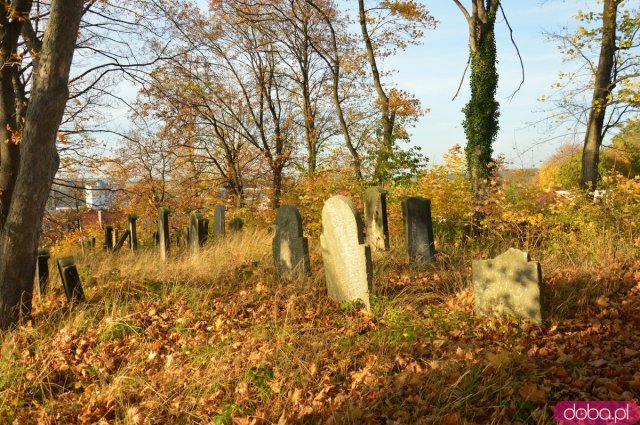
<point>509,284</point>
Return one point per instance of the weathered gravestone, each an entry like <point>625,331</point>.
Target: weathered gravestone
<point>164,239</point>
<point>42,272</point>
<point>375,218</point>
<point>418,230</point>
<point>347,260</point>
<point>218,222</point>
<point>198,232</point>
<point>108,238</point>
<point>70,280</point>
<point>509,284</point>
<point>290,249</point>
<point>133,239</point>
<point>236,224</point>
<point>122,240</point>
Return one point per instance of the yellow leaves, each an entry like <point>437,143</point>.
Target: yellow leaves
<point>531,392</point>
<point>499,360</point>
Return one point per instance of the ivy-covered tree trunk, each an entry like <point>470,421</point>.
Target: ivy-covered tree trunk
<point>482,112</point>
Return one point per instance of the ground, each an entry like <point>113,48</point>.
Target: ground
<point>219,339</point>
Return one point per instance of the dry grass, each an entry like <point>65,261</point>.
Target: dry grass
<point>208,339</point>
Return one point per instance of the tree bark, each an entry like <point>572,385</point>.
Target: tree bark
<point>38,162</point>
<point>388,116</point>
<point>601,92</point>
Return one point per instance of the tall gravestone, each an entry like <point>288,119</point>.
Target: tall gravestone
<point>70,280</point>
<point>418,230</point>
<point>198,232</point>
<point>42,272</point>
<point>509,284</point>
<point>133,238</point>
<point>164,239</point>
<point>236,224</point>
<point>375,218</point>
<point>108,238</point>
<point>218,222</point>
<point>347,260</point>
<point>290,249</point>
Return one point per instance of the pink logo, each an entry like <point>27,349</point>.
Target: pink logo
<point>597,412</point>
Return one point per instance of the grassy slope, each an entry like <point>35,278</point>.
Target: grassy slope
<point>210,339</point>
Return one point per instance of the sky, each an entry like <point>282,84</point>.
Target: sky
<point>432,72</point>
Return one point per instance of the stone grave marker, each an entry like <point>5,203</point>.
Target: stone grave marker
<point>42,272</point>
<point>108,238</point>
<point>218,222</point>
<point>509,284</point>
<point>198,232</point>
<point>290,248</point>
<point>347,260</point>
<point>418,230</point>
<point>164,238</point>
<point>70,280</point>
<point>375,217</point>
<point>126,235</point>
<point>133,239</point>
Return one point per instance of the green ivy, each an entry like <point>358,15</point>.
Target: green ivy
<point>481,113</point>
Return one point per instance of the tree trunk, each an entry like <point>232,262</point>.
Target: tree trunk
<point>601,92</point>
<point>276,187</point>
<point>38,163</point>
<point>385,150</point>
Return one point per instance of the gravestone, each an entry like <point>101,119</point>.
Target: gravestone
<point>116,235</point>
<point>70,280</point>
<point>347,260</point>
<point>122,240</point>
<point>108,238</point>
<point>290,249</point>
<point>133,239</point>
<point>42,272</point>
<point>236,224</point>
<point>183,237</point>
<point>509,284</point>
<point>375,217</point>
<point>418,230</point>
<point>164,239</point>
<point>218,222</point>
<point>198,232</point>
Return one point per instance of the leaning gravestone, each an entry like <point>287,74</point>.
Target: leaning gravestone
<point>42,272</point>
<point>375,217</point>
<point>122,240</point>
<point>347,260</point>
<point>198,232</point>
<point>236,224</point>
<point>164,239</point>
<point>108,238</point>
<point>509,284</point>
<point>418,230</point>
<point>290,249</point>
<point>218,222</point>
<point>70,280</point>
<point>133,239</point>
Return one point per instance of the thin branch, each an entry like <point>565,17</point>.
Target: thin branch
<point>462,79</point>
<point>510,97</point>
